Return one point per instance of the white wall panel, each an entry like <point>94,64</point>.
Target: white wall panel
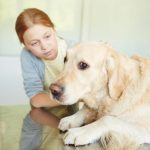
<point>11,84</point>
<point>123,23</point>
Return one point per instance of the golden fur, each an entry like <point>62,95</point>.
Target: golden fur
<point>113,86</point>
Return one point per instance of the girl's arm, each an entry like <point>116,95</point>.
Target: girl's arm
<point>43,100</point>
<point>33,77</point>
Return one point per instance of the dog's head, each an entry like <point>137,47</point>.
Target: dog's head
<point>90,68</point>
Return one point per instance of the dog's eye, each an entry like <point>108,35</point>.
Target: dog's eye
<point>65,59</point>
<point>82,65</point>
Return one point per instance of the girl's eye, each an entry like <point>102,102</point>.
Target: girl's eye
<point>48,36</point>
<point>34,44</point>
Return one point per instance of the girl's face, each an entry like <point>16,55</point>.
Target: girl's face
<point>41,41</point>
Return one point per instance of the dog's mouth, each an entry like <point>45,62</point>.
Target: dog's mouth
<point>59,94</point>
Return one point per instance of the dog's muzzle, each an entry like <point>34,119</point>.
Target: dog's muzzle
<point>57,91</point>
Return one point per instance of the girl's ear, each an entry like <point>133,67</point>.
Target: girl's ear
<point>116,77</point>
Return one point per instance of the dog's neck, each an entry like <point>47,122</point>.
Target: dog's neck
<point>100,103</point>
<point>95,99</point>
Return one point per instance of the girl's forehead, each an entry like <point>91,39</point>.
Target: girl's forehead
<point>36,31</point>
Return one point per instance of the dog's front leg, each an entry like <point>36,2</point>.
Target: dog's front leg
<point>100,128</point>
<point>75,120</point>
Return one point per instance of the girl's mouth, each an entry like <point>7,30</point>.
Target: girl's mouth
<point>47,53</point>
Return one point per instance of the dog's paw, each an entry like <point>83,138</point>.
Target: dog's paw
<point>79,136</point>
<point>69,122</point>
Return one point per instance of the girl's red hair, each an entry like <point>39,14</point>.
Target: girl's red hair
<point>30,17</point>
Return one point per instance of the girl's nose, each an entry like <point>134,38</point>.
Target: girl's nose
<point>43,45</point>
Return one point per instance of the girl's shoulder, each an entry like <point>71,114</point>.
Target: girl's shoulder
<point>70,43</point>
<point>26,54</point>
<point>28,58</point>
<point>66,42</point>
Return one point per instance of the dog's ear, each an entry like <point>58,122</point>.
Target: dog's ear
<point>116,77</point>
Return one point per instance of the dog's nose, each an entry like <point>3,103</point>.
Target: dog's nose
<point>56,91</point>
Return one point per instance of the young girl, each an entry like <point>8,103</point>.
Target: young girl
<point>42,59</point>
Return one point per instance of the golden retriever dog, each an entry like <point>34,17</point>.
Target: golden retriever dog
<point>115,90</point>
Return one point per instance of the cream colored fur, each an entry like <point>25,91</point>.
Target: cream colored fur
<point>115,88</point>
